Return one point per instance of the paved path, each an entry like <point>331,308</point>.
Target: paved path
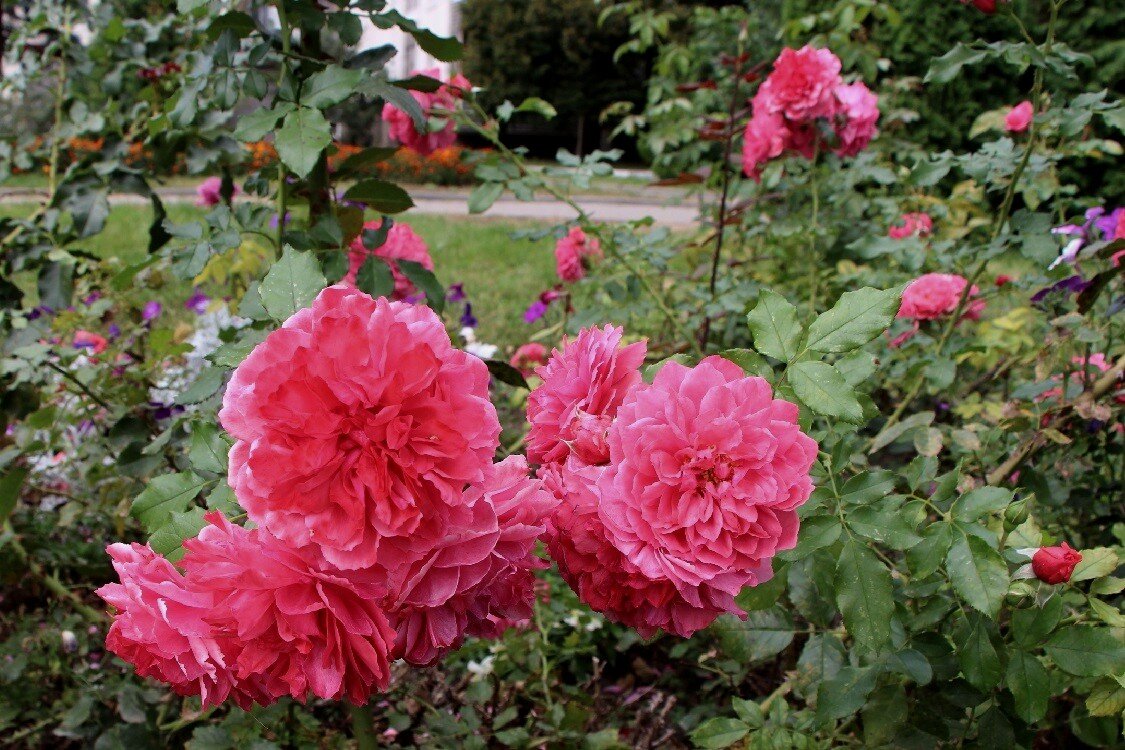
<point>669,208</point>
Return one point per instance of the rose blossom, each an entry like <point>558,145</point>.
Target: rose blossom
<point>988,7</point>
<point>858,110</point>
<point>573,252</point>
<point>918,224</point>
<point>357,425</point>
<point>601,576</point>
<point>401,125</point>
<point>300,626</point>
<point>477,580</point>
<point>583,384</point>
<point>528,357</point>
<point>210,192</point>
<point>1055,564</point>
<point>92,341</point>
<point>935,295</point>
<point>802,83</point>
<point>160,625</point>
<point>402,243</point>
<point>706,473</point>
<point>765,139</point>
<point>1019,117</point>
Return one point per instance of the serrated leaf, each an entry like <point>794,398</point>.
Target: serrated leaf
<point>978,574</point>
<point>375,278</point>
<point>865,595</point>
<point>291,284</point>
<point>203,387</point>
<point>483,196</point>
<point>980,664</point>
<point>208,448</point>
<point>845,693</point>
<point>773,323</point>
<point>424,279</point>
<point>303,135</point>
<point>330,86</point>
<point>1030,685</point>
<point>10,485</point>
<point>1096,562</point>
<point>823,389</point>
<point>505,373</point>
<point>231,354</point>
<point>168,539</point>
<point>858,317</point>
<point>1087,651</point>
<point>255,125</point>
<point>719,732</point>
<point>980,502</point>
<point>381,196</point>
<point>750,361</point>
<point>165,495</point>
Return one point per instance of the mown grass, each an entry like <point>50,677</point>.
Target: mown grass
<point>501,275</point>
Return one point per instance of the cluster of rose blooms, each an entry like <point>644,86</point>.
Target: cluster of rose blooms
<point>803,98</point>
<point>364,456</point>
<point>439,133</point>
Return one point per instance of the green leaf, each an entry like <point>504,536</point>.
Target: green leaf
<point>10,485</point>
<point>750,361</point>
<point>303,135</point>
<point>764,634</point>
<point>980,664</point>
<point>947,67</point>
<point>1096,562</point>
<point>365,158</point>
<point>773,322</point>
<point>254,126</point>
<point>1031,626</point>
<point>165,495</point>
<point>505,373</point>
<point>484,195</point>
<point>231,354</point>
<point>719,732</point>
<point>538,106</point>
<point>381,196</point>
<point>1030,685</point>
<point>1107,698</point>
<point>291,285</point>
<point>205,385</point>
<point>208,448</point>
<point>330,86</point>
<point>764,594</point>
<point>845,693</point>
<point>1087,651</point>
<point>865,595</point>
<point>424,279</point>
<point>168,539</point>
<point>817,532</point>
<point>981,502</point>
<point>823,389</point>
<point>858,317</point>
<point>978,574</point>
<point>375,278</point>
<point>925,557</point>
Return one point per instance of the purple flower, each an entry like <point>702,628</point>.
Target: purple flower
<point>39,312</point>
<point>92,297</point>
<point>273,220</point>
<point>1108,225</point>
<point>1095,218</point>
<point>1069,285</point>
<point>114,330</point>
<point>456,292</point>
<point>197,302</point>
<point>349,203</point>
<point>151,311</point>
<point>414,299</point>
<point>164,411</point>
<point>468,320</point>
<point>537,310</point>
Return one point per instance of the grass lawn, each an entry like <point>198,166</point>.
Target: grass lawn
<point>502,276</point>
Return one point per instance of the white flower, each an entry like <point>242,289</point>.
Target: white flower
<point>482,668</point>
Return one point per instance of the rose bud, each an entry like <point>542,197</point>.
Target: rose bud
<point>1055,564</point>
<point>1003,279</point>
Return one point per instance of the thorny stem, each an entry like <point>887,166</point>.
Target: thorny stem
<point>997,227</point>
<point>814,265</point>
<point>514,158</point>
<point>363,727</point>
<point>282,172</point>
<point>51,581</point>
<point>724,166</point>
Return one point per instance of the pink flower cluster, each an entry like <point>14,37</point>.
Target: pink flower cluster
<point>402,243</point>
<point>803,90</point>
<point>363,453</point>
<point>439,133</point>
<point>913,225</point>
<point>672,496</point>
<point>574,252</point>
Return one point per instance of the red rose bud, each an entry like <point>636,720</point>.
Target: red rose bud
<point>1055,564</point>
<point>1003,279</point>
<point>988,7</point>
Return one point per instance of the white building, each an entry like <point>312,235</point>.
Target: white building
<point>442,17</point>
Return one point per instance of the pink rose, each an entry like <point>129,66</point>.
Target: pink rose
<point>210,192</point>
<point>402,243</point>
<point>913,225</point>
<point>402,128</point>
<point>802,83</point>
<point>357,426</point>
<point>91,341</point>
<point>935,295</point>
<point>705,476</point>
<point>1055,564</point>
<point>573,252</point>
<point>858,112</point>
<point>528,357</point>
<point>589,377</point>
<point>1019,117</point>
